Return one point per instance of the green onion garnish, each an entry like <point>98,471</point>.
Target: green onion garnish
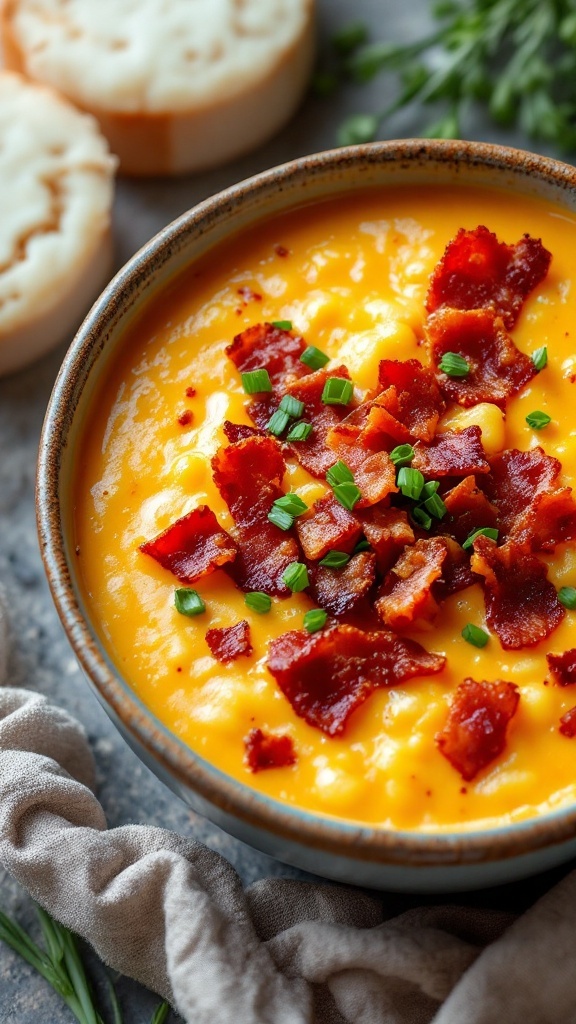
<point>278,422</point>
<point>475,636</point>
<point>537,420</point>
<point>296,577</point>
<point>314,357</point>
<point>188,601</point>
<point>435,506</point>
<point>402,455</point>
<point>421,518</point>
<point>567,597</point>
<point>292,504</point>
<point>335,560</point>
<point>299,432</point>
<point>292,406</point>
<point>282,325</point>
<point>410,482</point>
<point>337,391</point>
<point>339,473</point>
<point>362,545</point>
<point>540,357</point>
<point>255,381</point>
<point>315,619</point>
<point>429,489</point>
<point>484,531</point>
<point>259,602</point>
<point>347,494</point>
<point>454,365</point>
<point>280,518</point>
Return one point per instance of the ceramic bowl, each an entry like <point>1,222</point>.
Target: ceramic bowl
<point>361,855</point>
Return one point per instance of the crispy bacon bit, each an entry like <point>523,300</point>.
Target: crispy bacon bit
<point>328,525</point>
<point>418,402</point>
<point>456,572</point>
<point>552,521</point>
<point>270,348</point>
<point>240,431</point>
<point>477,271</point>
<point>406,594</point>
<point>388,531</point>
<point>338,591</point>
<point>453,453</point>
<point>327,675</point>
<point>313,454</point>
<point>498,369</point>
<point>475,730</point>
<point>248,295</point>
<point>563,667</point>
<point>190,392</point>
<point>568,723</point>
<point>185,417</point>
<point>522,607</point>
<point>468,510</point>
<point>230,642</point>
<point>248,475</point>
<point>192,547</point>
<point>359,445</point>
<point>265,750</point>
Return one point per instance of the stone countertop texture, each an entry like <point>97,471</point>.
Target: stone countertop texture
<point>41,657</point>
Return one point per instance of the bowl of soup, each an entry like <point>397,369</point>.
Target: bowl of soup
<point>305,505</point>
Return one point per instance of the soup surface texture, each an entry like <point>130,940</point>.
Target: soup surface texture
<point>351,275</point>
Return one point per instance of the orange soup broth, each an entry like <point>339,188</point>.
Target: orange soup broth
<point>354,284</point>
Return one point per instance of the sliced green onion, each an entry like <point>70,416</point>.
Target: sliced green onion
<point>435,506</point>
<point>454,365</point>
<point>347,494</point>
<point>188,601</point>
<point>296,577</point>
<point>335,560</point>
<point>421,518</point>
<point>402,455</point>
<point>278,422</point>
<point>362,545</point>
<point>280,518</point>
<point>540,357</point>
<point>429,489</point>
<point>259,602</point>
<point>255,381</point>
<point>410,482</point>
<point>299,432</point>
<point>475,636</point>
<point>484,531</point>
<point>314,357</point>
<point>337,391</point>
<point>282,325</point>
<point>292,406</point>
<point>538,420</point>
<point>567,597</point>
<point>292,504</point>
<point>315,619</point>
<point>339,473</point>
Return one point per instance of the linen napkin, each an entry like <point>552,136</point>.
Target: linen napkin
<point>173,914</point>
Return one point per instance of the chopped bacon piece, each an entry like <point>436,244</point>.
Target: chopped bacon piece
<point>454,453</point>
<point>456,572</point>
<point>359,446</point>
<point>475,730</point>
<point>498,369</point>
<point>240,431</point>
<point>478,271</point>
<point>468,510</point>
<point>230,642</point>
<point>568,723</point>
<point>328,525</point>
<point>522,606</point>
<point>314,454</point>
<point>406,594</point>
<point>192,547</point>
<point>327,675</point>
<point>418,402</point>
<point>552,521</point>
<point>265,750</point>
<point>563,667</point>
<point>338,591</point>
<point>271,348</point>
<point>388,531</point>
<point>248,475</point>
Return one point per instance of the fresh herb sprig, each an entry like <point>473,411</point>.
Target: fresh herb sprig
<point>515,57</point>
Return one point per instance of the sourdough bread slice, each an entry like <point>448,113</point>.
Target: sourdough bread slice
<point>177,85</point>
<point>56,189</point>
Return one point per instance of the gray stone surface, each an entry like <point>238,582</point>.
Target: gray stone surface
<point>40,655</point>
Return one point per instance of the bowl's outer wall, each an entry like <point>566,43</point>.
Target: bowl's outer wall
<point>375,857</point>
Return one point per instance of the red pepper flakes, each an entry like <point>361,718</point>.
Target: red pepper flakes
<point>190,392</point>
<point>185,418</point>
<point>568,723</point>
<point>418,403</point>
<point>563,667</point>
<point>475,730</point>
<point>406,594</point>
<point>453,453</point>
<point>229,642</point>
<point>248,295</point>
<point>327,526</point>
<point>192,547</point>
<point>281,251</point>
<point>265,750</point>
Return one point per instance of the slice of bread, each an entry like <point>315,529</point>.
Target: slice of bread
<point>177,85</point>
<point>56,190</point>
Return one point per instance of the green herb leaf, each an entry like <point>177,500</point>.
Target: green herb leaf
<point>358,129</point>
<point>258,601</point>
<point>339,473</point>
<point>540,357</point>
<point>293,407</point>
<point>314,358</point>
<point>283,520</point>
<point>296,577</point>
<point>347,494</point>
<point>256,381</point>
<point>278,422</point>
<point>475,636</point>
<point>282,325</point>
<point>350,37</point>
<point>454,365</point>
<point>410,481</point>
<point>362,545</point>
<point>315,619</point>
<point>538,420</point>
<point>484,531</point>
<point>299,432</point>
<point>188,601</point>
<point>567,597</point>
<point>335,560</point>
<point>337,391</point>
<point>402,455</point>
<point>292,504</point>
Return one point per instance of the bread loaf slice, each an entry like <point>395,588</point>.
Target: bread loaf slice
<point>56,189</point>
<point>177,85</point>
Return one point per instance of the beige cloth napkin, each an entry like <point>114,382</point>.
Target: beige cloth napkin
<point>172,914</point>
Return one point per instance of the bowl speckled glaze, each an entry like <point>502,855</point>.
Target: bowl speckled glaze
<point>407,861</point>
